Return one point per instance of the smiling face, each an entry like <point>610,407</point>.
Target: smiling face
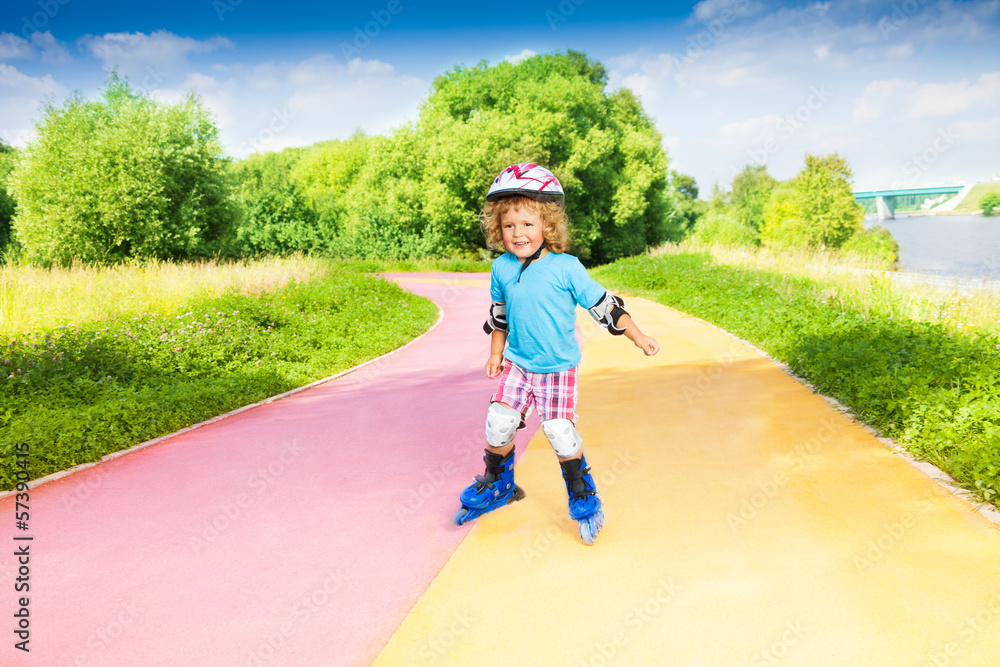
<point>523,232</point>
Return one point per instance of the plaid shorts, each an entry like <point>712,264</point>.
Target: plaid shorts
<point>552,394</point>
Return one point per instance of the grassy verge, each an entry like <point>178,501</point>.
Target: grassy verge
<point>75,393</point>
<point>932,385</point>
<point>33,298</point>
<point>971,202</point>
<point>861,282</point>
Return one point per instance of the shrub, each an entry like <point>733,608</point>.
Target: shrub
<point>989,203</point>
<point>275,216</point>
<point>784,225</point>
<point>122,177</point>
<point>823,197</point>
<point>722,227</point>
<point>751,191</point>
<point>876,242</point>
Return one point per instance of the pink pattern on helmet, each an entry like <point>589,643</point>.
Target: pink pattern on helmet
<point>528,179</point>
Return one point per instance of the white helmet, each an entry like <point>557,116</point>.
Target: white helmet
<point>526,180</point>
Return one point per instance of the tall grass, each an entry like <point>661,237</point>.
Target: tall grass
<point>961,306</point>
<point>33,298</point>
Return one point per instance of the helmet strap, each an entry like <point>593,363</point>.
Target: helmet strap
<point>529,260</point>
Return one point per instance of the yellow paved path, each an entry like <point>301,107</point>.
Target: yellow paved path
<point>749,523</point>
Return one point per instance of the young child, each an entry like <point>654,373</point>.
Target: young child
<point>535,288</point>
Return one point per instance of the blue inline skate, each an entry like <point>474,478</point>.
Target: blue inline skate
<point>584,501</point>
<point>491,490</point>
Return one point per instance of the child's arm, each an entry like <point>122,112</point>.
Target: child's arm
<point>498,341</point>
<point>641,340</point>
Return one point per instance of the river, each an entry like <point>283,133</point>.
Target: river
<point>952,246</point>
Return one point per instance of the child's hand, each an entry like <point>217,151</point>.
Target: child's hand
<point>494,366</point>
<point>647,344</point>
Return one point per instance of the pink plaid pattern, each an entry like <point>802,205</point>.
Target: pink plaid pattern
<point>552,394</point>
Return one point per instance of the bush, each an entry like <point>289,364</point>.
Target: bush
<point>989,203</point>
<point>684,191</point>
<point>552,110</point>
<point>275,216</point>
<point>824,200</point>
<point>784,225</point>
<point>419,190</point>
<point>722,227</point>
<point>877,243</point>
<point>122,177</point>
<point>751,191</point>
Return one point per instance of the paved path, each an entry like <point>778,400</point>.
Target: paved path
<point>749,523</point>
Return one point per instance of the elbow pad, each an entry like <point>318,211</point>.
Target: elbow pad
<point>497,320</point>
<point>608,311</point>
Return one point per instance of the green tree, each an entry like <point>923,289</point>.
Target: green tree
<point>685,192</point>
<point>275,217</point>
<point>419,190</point>
<point>989,202</point>
<point>824,200</point>
<point>552,110</point>
<point>784,224</point>
<point>7,203</point>
<point>752,188</point>
<point>122,177</point>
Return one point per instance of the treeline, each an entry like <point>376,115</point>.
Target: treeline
<point>815,209</point>
<point>124,177</point>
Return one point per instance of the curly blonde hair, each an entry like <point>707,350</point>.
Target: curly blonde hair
<point>555,222</point>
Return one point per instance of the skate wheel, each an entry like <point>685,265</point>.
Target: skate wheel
<point>459,517</point>
<point>590,527</point>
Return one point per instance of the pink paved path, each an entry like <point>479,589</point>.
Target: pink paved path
<point>299,532</point>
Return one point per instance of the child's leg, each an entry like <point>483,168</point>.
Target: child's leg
<point>502,422</point>
<point>496,486</point>
<point>556,399</point>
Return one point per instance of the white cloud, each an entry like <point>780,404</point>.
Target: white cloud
<point>52,50</point>
<point>928,99</point>
<point>878,93</point>
<point>751,132</point>
<point>41,44</point>
<point>13,47</point>
<point>135,54</point>
<point>523,55</point>
<point>938,99</point>
<point>273,105</point>
<point>709,10</point>
<point>22,97</point>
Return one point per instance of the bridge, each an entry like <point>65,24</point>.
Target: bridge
<point>885,200</point>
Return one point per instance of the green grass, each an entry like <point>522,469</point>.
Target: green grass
<point>75,393</point>
<point>34,298</point>
<point>933,387</point>
<point>971,202</point>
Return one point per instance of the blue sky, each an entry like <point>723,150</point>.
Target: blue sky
<point>907,90</point>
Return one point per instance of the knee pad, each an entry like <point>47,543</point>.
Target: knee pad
<point>501,424</point>
<point>563,437</point>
